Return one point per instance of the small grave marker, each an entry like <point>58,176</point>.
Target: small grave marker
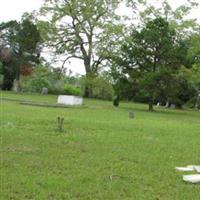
<point>131,114</point>
<point>44,90</point>
<point>173,106</point>
<point>60,124</point>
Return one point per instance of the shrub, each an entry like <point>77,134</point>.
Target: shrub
<point>72,90</point>
<point>34,84</point>
<point>192,102</point>
<point>51,78</point>
<point>101,87</point>
<point>56,87</point>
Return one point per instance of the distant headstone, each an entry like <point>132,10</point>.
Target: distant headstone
<point>131,114</point>
<point>167,105</point>
<point>44,90</point>
<point>70,100</point>
<point>158,104</point>
<point>16,85</point>
<point>173,106</point>
<point>197,104</point>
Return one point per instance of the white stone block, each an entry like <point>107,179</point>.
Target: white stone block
<point>70,100</point>
<point>194,178</point>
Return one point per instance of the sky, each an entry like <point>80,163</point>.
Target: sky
<point>14,9</point>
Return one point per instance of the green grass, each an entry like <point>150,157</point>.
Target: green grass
<point>102,155</point>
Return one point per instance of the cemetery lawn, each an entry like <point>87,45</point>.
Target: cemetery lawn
<point>102,155</point>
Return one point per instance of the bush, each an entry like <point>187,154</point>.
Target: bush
<point>101,87</point>
<point>192,103</point>
<point>72,90</point>
<point>1,80</point>
<point>51,78</point>
<point>34,84</point>
<point>56,87</point>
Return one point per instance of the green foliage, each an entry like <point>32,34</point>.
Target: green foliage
<point>184,92</point>
<point>74,29</point>
<point>1,80</point>
<point>192,76</point>
<point>1,74</point>
<point>21,40</point>
<point>149,58</point>
<point>53,79</point>
<point>72,90</point>
<point>101,86</point>
<point>36,81</point>
<point>34,84</point>
<point>116,101</point>
<point>178,18</point>
<point>194,44</point>
<point>56,87</point>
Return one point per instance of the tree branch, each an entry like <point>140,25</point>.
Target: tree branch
<point>69,57</point>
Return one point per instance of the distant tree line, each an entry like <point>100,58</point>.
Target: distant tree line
<point>155,58</point>
<point>155,65</point>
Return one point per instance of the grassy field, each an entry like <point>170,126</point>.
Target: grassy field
<point>102,155</point>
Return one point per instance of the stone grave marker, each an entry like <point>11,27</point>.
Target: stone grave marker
<point>45,90</point>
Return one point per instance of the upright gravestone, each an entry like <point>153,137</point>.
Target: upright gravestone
<point>16,85</point>
<point>167,105</point>
<point>158,104</point>
<point>131,114</point>
<point>44,90</point>
<point>173,106</point>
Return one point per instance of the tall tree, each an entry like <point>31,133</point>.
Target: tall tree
<point>19,40</point>
<point>82,29</point>
<point>178,18</point>
<point>150,56</point>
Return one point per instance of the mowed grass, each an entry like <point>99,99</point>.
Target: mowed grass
<point>102,155</point>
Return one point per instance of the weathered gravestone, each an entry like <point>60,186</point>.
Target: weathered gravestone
<point>173,106</point>
<point>131,114</point>
<point>167,105</point>
<point>44,90</point>
<point>158,104</point>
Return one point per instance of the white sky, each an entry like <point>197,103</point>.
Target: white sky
<point>13,10</point>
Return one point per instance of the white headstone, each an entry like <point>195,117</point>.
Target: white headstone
<point>158,104</point>
<point>70,100</point>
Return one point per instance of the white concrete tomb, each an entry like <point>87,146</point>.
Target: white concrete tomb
<point>70,100</point>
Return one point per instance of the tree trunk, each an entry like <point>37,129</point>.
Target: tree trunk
<point>89,85</point>
<point>151,105</point>
<point>88,91</point>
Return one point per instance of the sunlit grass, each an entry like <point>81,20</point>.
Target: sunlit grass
<point>101,155</point>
